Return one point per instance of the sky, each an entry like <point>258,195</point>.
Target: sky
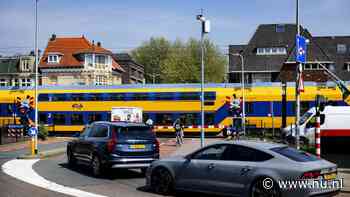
<point>123,25</point>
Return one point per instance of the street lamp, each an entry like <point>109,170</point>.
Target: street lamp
<point>242,90</point>
<point>36,79</point>
<point>205,29</point>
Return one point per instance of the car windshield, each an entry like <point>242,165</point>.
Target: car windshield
<point>135,132</point>
<point>294,154</point>
<point>305,117</point>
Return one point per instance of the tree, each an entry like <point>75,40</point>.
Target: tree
<point>151,54</point>
<point>181,62</point>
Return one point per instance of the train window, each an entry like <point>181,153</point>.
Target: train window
<point>249,107</point>
<point>77,97</point>
<point>209,103</point>
<point>43,97</point>
<point>94,97</point>
<point>209,96</point>
<point>59,119</point>
<point>117,96</point>
<point>94,117</point>
<point>77,119</point>
<point>190,119</point>
<point>140,96</point>
<point>209,119</point>
<point>108,117</point>
<point>59,97</point>
<point>164,119</point>
<point>164,96</point>
<point>42,118</point>
<point>304,106</point>
<point>189,96</point>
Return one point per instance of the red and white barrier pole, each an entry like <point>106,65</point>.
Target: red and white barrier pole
<point>318,136</point>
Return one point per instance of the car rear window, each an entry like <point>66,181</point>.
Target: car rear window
<point>134,132</point>
<point>294,154</point>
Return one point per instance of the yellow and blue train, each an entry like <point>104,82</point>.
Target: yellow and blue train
<point>66,109</point>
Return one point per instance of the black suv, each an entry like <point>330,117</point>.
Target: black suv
<point>104,145</point>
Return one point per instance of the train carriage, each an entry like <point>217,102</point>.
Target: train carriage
<point>67,109</point>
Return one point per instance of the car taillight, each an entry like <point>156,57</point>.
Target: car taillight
<point>111,143</point>
<point>311,175</point>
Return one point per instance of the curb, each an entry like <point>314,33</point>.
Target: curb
<point>44,154</point>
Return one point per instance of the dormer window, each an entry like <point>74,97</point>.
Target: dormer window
<point>53,59</point>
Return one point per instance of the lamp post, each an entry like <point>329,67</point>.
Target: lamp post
<point>299,74</point>
<point>36,77</point>
<point>205,29</point>
<point>242,90</point>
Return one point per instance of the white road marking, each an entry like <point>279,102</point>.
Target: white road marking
<point>23,170</point>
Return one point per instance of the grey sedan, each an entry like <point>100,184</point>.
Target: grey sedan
<point>243,168</point>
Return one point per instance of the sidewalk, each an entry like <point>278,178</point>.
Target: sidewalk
<point>25,144</point>
<point>169,148</point>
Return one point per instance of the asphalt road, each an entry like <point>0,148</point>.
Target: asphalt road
<point>11,187</point>
<point>117,183</point>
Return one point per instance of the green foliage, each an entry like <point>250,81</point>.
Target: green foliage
<point>152,54</point>
<point>180,62</point>
<point>43,132</point>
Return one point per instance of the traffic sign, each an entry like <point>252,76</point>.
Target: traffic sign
<point>300,49</point>
<point>32,131</point>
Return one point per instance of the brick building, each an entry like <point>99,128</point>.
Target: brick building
<point>269,56</point>
<point>77,61</point>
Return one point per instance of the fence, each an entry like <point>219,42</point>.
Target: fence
<point>11,133</point>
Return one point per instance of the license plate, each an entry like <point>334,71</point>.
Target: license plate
<point>137,146</point>
<point>330,176</point>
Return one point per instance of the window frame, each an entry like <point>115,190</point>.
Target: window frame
<point>193,155</point>
<point>255,151</point>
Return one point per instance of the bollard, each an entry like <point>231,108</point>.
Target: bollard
<point>318,136</point>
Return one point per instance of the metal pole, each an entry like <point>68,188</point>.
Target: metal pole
<point>36,77</point>
<point>318,133</point>
<point>243,95</point>
<point>202,87</point>
<point>298,71</point>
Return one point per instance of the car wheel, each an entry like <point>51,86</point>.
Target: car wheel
<point>71,159</point>
<point>265,187</point>
<point>162,181</point>
<point>96,166</point>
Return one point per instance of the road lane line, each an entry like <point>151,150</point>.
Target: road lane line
<point>23,170</point>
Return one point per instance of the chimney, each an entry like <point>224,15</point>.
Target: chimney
<point>53,37</point>
<point>99,44</point>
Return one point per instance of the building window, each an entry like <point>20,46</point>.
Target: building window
<point>26,82</point>
<point>101,59</point>
<point>53,80</point>
<point>280,28</point>
<point>16,82</point>
<point>89,60</point>
<point>341,48</point>
<point>101,80</point>
<point>3,82</point>
<point>271,51</point>
<point>52,59</point>
<point>347,67</point>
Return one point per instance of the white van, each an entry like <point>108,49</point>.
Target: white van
<point>335,122</point>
